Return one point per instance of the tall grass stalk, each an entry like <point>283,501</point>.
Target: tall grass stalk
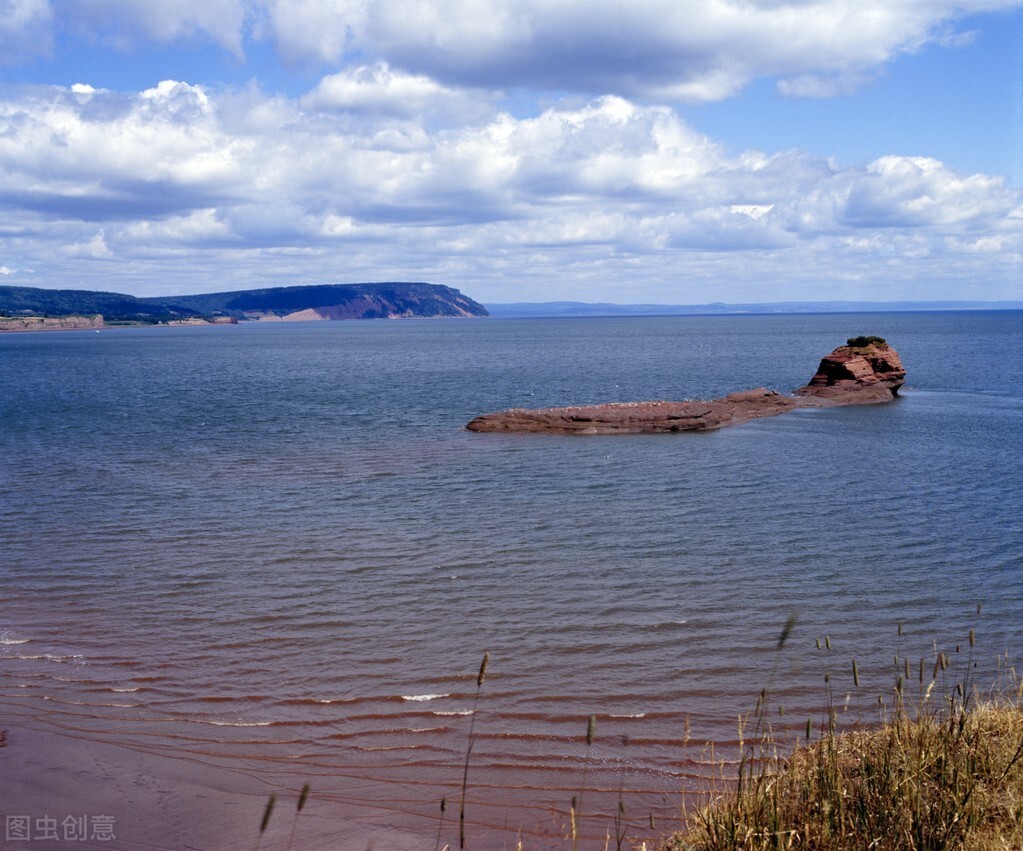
<point>298,811</point>
<point>440,823</point>
<point>577,805</point>
<point>468,751</point>
<point>267,812</point>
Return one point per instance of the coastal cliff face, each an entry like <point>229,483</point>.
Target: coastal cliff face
<point>865,371</point>
<point>46,323</point>
<point>374,307</point>
<point>335,302</point>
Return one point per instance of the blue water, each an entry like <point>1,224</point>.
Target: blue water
<point>281,535</point>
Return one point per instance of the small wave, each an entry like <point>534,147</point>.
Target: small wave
<point>125,690</point>
<point>393,748</point>
<point>9,641</point>
<point>87,703</point>
<point>454,712</point>
<point>628,715</point>
<point>420,698</point>
<point>234,723</point>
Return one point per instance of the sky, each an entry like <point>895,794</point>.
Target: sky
<point>653,151</point>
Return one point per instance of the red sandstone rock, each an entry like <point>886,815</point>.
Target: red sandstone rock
<point>639,417</point>
<point>850,375</point>
<point>871,372</point>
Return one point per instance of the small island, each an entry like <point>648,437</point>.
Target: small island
<point>865,371</point>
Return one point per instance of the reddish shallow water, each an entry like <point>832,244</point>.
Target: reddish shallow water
<point>238,561</point>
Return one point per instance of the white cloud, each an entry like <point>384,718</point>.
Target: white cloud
<point>24,29</point>
<point>93,249</point>
<point>658,50</point>
<point>124,23</point>
<point>180,181</point>
<point>312,29</point>
<point>379,92</point>
<point>921,192</point>
<point>695,51</point>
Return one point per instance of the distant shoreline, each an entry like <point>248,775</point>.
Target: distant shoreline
<point>526,310</point>
<point>566,309</point>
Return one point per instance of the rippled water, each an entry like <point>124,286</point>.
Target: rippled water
<point>275,549</point>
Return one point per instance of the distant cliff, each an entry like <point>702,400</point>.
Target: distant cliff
<point>45,323</point>
<point>333,301</point>
<point>329,301</point>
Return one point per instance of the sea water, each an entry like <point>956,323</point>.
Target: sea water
<point>274,548</point>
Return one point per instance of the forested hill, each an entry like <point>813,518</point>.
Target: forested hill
<point>336,301</point>
<point>329,301</point>
<point>114,307</point>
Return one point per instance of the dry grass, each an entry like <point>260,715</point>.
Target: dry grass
<point>948,775</point>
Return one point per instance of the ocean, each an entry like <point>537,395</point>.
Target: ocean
<point>238,559</point>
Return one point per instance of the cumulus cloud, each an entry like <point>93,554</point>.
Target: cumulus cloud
<point>698,51</point>
<point>921,192</point>
<point>379,92</point>
<point>659,50</point>
<point>260,189</point>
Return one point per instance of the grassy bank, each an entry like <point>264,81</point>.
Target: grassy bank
<point>948,774</point>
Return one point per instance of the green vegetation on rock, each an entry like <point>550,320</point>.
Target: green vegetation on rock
<point>863,342</point>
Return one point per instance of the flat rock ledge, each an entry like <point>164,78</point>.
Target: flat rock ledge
<point>866,371</point>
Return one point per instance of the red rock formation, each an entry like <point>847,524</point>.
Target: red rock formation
<point>850,375</point>
<point>867,368</point>
<point>640,417</point>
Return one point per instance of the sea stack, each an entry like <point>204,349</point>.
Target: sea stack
<point>865,371</point>
<point>866,367</point>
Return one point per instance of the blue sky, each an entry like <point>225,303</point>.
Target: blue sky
<point>521,150</point>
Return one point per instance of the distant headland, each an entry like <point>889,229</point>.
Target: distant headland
<point>864,371</point>
<point>32,309</point>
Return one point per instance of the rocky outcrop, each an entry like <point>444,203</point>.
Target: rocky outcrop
<point>865,371</point>
<point>640,417</point>
<point>49,323</point>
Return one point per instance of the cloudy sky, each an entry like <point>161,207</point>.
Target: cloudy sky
<point>672,151</point>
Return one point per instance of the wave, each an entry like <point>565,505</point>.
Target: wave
<point>233,723</point>
<point>421,698</point>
